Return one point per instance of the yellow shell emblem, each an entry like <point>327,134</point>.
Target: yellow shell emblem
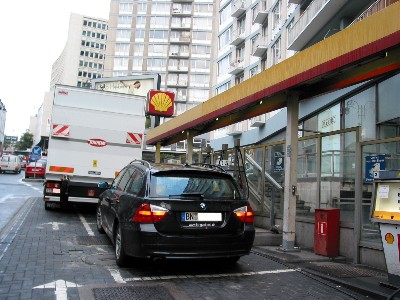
<point>161,101</point>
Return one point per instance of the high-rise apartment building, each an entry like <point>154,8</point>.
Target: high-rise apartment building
<point>252,36</point>
<point>81,60</point>
<point>170,38</point>
<point>255,35</point>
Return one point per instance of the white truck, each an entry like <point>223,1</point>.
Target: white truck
<point>93,135</point>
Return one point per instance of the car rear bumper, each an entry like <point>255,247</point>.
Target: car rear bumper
<point>150,243</point>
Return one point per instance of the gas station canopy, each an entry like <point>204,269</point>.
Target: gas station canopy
<point>364,50</point>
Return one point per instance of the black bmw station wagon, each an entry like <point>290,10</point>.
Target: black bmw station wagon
<point>163,211</point>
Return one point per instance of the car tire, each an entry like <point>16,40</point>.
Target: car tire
<point>46,206</point>
<point>120,256</point>
<point>99,221</point>
<point>231,260</point>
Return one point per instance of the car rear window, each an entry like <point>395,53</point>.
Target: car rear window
<point>183,185</point>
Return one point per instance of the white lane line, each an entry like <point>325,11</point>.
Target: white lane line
<point>86,225</point>
<point>116,275</point>
<point>119,279</point>
<point>5,198</point>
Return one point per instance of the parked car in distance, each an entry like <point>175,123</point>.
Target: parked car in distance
<point>24,163</point>
<point>35,170</point>
<point>164,211</point>
<point>10,163</point>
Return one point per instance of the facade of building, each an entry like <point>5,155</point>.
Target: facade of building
<point>170,38</point>
<point>3,115</point>
<point>81,60</point>
<point>343,135</point>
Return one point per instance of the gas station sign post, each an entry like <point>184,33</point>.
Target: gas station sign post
<point>385,211</point>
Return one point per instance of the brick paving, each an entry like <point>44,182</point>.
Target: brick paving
<point>50,250</point>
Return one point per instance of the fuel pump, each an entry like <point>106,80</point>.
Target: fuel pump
<point>385,211</point>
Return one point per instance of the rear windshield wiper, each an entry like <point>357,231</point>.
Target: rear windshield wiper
<point>188,195</point>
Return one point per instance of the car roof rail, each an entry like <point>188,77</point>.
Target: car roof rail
<point>210,166</point>
<point>141,161</point>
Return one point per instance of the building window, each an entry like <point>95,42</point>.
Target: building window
<point>225,14</point>
<point>241,25</point>
<point>225,38</point>
<point>276,14</point>
<point>253,71</point>
<point>125,7</point>
<point>254,12</point>
<point>223,65</point>
<point>239,78</point>
<point>240,52</point>
<point>276,51</point>
<point>222,88</point>
<point>254,42</point>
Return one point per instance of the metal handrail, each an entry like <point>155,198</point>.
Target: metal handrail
<point>268,177</point>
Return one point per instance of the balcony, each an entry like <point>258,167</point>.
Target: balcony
<point>178,69</point>
<point>238,8</point>
<point>180,26</point>
<point>178,54</point>
<point>257,121</point>
<point>374,8</point>
<point>236,66</point>
<point>238,37</point>
<point>313,19</point>
<point>260,47</point>
<point>178,11</point>
<point>235,129</point>
<point>262,14</point>
<point>175,83</point>
<point>180,40</point>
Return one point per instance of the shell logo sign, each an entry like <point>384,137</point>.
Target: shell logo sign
<point>160,103</point>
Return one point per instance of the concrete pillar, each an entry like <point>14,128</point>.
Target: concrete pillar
<point>289,207</point>
<point>158,153</point>
<point>189,151</point>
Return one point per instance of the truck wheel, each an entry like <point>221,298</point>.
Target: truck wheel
<point>120,255</point>
<point>99,221</point>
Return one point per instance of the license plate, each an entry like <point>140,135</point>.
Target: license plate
<point>200,216</point>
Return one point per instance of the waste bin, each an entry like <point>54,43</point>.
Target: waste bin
<point>326,232</point>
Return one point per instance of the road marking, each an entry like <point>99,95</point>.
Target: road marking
<point>5,198</point>
<point>86,225</point>
<point>60,287</point>
<point>115,273</point>
<point>55,225</point>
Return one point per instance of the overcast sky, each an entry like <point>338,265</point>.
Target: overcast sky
<point>33,35</point>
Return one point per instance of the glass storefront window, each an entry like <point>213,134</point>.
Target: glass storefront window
<point>359,110</point>
<point>307,177</point>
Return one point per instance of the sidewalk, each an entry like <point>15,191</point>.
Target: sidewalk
<point>365,280</point>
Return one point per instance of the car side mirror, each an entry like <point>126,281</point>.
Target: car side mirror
<point>103,185</point>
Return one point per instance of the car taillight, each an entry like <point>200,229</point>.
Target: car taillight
<point>149,213</point>
<point>245,214</point>
<point>54,185</point>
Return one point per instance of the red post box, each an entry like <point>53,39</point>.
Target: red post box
<point>326,232</point>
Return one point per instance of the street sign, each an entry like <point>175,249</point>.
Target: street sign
<point>37,151</point>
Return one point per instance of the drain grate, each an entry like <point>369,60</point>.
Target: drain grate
<point>93,240</point>
<point>132,293</point>
<point>343,270</point>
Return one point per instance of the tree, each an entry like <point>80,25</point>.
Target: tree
<point>25,141</point>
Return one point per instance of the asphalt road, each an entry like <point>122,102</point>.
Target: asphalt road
<point>58,254</point>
